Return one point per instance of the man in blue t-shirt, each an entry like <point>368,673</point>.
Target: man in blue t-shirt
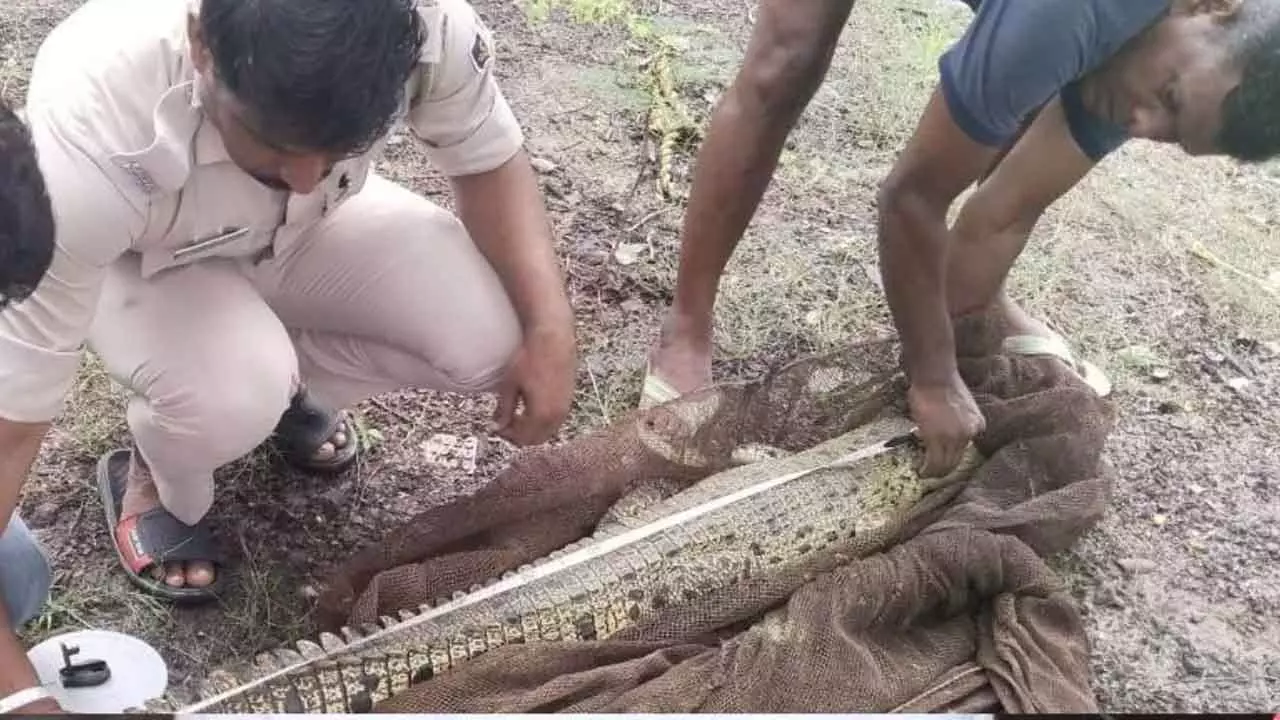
<point>1078,77</point>
<point>1089,74</point>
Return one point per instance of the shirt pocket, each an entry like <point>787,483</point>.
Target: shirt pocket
<point>212,217</point>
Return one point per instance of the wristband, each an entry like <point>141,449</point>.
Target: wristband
<point>23,698</point>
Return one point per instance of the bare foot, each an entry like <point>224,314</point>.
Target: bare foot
<point>140,495</point>
<point>682,355</point>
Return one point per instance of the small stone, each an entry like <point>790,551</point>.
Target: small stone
<point>395,140</point>
<point>1136,566</point>
<point>1193,664</point>
<point>1159,520</point>
<point>1238,383</point>
<point>1195,488</point>
<point>1170,407</point>
<point>543,165</point>
<point>1160,374</point>
<point>310,592</point>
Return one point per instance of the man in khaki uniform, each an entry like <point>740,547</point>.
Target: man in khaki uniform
<point>227,250</point>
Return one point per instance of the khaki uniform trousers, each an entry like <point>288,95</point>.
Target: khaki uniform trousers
<point>389,292</point>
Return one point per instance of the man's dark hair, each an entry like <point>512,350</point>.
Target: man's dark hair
<point>26,213</point>
<point>322,75</point>
<point>1250,125</point>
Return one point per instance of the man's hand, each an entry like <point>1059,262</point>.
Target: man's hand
<point>947,419</point>
<point>541,376</point>
<point>505,215</point>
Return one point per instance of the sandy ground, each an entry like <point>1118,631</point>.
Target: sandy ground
<point>1179,582</point>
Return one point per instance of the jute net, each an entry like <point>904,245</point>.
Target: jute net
<point>956,613</point>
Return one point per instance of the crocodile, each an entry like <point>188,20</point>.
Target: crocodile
<point>743,521</point>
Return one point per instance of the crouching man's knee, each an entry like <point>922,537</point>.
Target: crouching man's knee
<point>25,575</point>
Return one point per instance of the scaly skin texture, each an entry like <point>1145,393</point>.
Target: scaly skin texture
<point>628,571</point>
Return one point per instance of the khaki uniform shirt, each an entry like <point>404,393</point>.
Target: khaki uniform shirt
<point>132,165</point>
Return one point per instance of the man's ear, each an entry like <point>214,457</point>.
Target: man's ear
<point>200,56</point>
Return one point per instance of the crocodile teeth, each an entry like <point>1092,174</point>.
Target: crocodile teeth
<point>458,594</point>
<point>387,621</point>
<point>406,615</point>
<point>477,587</point>
<point>367,629</point>
<point>508,574</point>
<point>491,582</point>
<point>349,635</point>
<point>441,601</point>
<point>310,650</point>
<point>265,661</point>
<point>331,643</point>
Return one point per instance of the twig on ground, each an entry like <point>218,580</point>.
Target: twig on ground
<point>647,218</point>
<point>595,390</point>
<point>570,111</point>
<point>1208,256</point>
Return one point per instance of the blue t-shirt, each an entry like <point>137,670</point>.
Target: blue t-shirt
<point>1016,54</point>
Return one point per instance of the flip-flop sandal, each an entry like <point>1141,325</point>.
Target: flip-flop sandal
<point>655,391</point>
<point>1056,346</point>
<point>155,537</point>
<point>305,426</point>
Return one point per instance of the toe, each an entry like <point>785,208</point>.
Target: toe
<point>199,573</point>
<point>173,575</point>
<point>325,452</point>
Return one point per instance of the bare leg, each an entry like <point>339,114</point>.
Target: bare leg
<point>786,61</point>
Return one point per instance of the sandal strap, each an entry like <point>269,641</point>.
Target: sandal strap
<point>156,536</point>
<point>305,425</point>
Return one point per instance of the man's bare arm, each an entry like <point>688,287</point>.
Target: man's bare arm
<point>992,228</point>
<point>939,162</point>
<point>16,672</point>
<point>19,445</point>
<point>504,213</point>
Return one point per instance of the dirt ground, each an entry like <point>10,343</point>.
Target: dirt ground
<point>1179,582</point>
